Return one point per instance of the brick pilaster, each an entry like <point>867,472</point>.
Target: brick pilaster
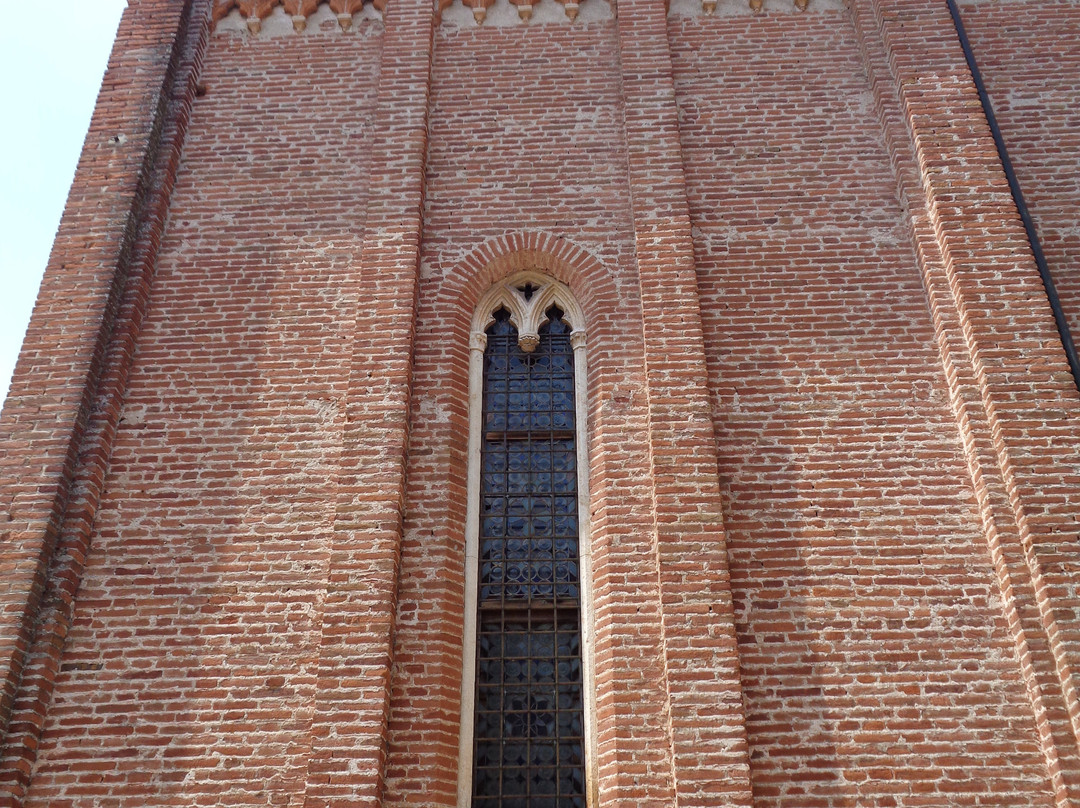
<point>711,764</point>
<point>352,702</point>
<point>1010,385</point>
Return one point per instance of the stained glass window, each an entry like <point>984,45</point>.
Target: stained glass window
<point>528,735</point>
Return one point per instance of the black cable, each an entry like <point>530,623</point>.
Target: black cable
<point>1018,197</point>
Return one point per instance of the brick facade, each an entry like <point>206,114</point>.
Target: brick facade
<point>833,447</point>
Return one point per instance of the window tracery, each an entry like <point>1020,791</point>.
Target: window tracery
<point>527,679</point>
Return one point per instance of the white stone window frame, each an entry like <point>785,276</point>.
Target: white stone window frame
<point>527,316</point>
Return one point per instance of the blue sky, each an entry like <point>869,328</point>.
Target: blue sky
<point>52,56</point>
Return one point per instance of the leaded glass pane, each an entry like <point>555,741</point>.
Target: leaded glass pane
<point>529,747</point>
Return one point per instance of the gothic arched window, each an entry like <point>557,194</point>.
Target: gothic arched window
<point>525,733</point>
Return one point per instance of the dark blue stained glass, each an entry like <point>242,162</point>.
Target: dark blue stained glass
<point>488,785</point>
<point>529,748</point>
<point>488,724</point>
<point>565,549</point>
<point>515,754</point>
<point>488,754</point>
<point>570,781</point>
<point>515,781</point>
<point>569,639</point>
<point>570,724</point>
<point>542,753</point>
<point>544,780</point>
<point>569,670</point>
<point>491,670</point>
<point>495,461</point>
<point>569,591</point>
<point>566,571</point>
<point>489,699</point>
<point>516,724</point>
<point>516,671</point>
<point>543,670</point>
<point>562,483</point>
<point>563,459</point>
<point>516,700</point>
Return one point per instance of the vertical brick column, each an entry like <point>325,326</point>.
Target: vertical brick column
<point>352,702</point>
<point>1016,406</point>
<point>711,765</point>
<point>61,414</point>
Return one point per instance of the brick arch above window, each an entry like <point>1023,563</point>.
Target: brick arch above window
<point>589,281</point>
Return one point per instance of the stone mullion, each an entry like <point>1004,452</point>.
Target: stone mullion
<point>66,390</point>
<point>997,342</point>
<point>356,648</point>
<point>711,764</point>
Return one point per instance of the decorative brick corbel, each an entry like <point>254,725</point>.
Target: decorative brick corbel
<point>345,10</point>
<point>300,10</point>
<point>479,9</point>
<point>254,10</point>
<point>524,9</point>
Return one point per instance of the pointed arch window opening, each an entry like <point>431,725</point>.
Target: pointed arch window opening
<point>527,718</point>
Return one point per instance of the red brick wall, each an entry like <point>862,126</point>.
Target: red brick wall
<point>190,671</point>
<point>877,665</point>
<point>826,421</point>
<point>1030,64</point>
